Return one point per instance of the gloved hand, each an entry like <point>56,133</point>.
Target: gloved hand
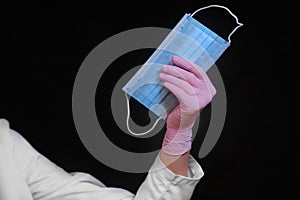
<point>193,89</point>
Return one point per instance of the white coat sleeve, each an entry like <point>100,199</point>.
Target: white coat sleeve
<point>47,181</point>
<point>162,184</point>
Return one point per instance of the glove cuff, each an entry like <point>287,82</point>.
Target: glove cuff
<point>177,142</point>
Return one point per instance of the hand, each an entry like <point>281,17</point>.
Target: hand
<point>193,89</point>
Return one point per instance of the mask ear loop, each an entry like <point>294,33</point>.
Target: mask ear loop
<point>128,116</point>
<point>227,9</point>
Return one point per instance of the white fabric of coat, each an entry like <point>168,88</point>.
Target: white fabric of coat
<point>25,174</point>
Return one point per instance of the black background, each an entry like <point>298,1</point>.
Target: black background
<point>256,156</point>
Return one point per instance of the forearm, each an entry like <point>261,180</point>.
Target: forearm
<point>177,164</point>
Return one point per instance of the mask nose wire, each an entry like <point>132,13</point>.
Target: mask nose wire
<point>239,24</point>
<point>128,116</point>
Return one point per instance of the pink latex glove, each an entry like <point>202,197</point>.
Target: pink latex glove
<point>193,89</point>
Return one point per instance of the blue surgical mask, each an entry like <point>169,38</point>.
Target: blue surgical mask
<point>189,39</point>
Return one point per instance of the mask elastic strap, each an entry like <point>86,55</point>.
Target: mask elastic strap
<point>218,6</point>
<point>127,120</point>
